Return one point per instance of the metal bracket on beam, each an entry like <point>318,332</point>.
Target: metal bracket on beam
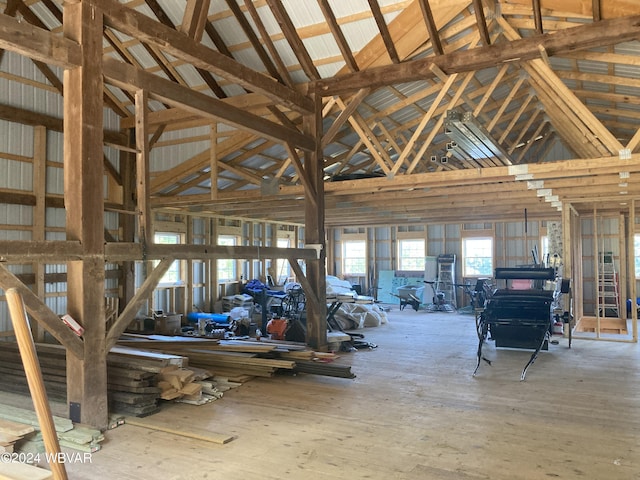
<point>625,154</point>
<point>317,247</point>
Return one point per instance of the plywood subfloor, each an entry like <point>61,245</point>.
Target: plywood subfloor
<point>413,412</point>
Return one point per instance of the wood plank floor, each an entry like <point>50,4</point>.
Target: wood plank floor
<point>413,412</point>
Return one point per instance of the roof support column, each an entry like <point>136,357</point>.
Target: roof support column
<point>314,231</point>
<point>84,204</point>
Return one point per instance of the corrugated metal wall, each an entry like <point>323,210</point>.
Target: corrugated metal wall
<point>16,153</point>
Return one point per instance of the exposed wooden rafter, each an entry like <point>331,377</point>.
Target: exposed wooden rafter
<point>606,32</point>
<point>384,31</point>
<point>431,27</point>
<point>133,23</point>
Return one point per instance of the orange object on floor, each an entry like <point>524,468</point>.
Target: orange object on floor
<point>277,327</point>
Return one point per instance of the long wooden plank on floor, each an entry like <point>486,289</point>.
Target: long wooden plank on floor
<point>15,428</point>
<point>29,417</point>
<point>23,471</point>
<point>196,433</point>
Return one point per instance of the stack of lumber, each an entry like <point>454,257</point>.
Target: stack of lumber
<point>23,423</point>
<point>187,385</point>
<point>241,360</point>
<point>133,379</point>
<point>132,375</point>
<point>12,432</point>
<point>52,364</point>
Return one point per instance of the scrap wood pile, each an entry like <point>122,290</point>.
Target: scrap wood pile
<point>20,431</point>
<point>241,360</point>
<point>169,377</point>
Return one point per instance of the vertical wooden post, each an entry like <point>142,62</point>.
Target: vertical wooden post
<point>596,263</point>
<point>632,269</point>
<point>213,159</point>
<point>142,167</point>
<point>39,213</point>
<point>314,230</point>
<point>34,379</point>
<point>187,301</point>
<point>623,292</point>
<point>84,204</point>
<point>128,222</point>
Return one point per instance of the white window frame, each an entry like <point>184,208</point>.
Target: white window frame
<point>413,263</point>
<point>173,276</point>
<point>228,265</point>
<point>348,259</point>
<point>467,271</point>
<point>283,268</point>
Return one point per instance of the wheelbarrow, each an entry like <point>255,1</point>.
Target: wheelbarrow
<point>408,295</point>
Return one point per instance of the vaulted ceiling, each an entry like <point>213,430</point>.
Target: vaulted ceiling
<point>545,93</point>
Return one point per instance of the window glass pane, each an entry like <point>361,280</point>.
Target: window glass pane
<point>173,274</point>
<point>411,255</point>
<point>477,257</point>
<point>545,247</point>
<point>284,269</point>
<point>355,257</point>
<point>226,266</point>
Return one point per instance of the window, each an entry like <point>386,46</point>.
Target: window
<point>544,241</point>
<point>354,255</point>
<point>411,255</point>
<point>284,269</point>
<point>227,266</point>
<point>477,257</point>
<point>173,274</point>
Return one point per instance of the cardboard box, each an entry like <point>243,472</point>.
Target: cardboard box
<point>169,324</point>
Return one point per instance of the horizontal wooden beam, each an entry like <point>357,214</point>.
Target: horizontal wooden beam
<point>119,252</point>
<point>27,117</point>
<point>128,77</point>
<point>598,34</point>
<point>177,44</point>
<point>38,44</point>
<point>48,251</point>
<point>249,102</point>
